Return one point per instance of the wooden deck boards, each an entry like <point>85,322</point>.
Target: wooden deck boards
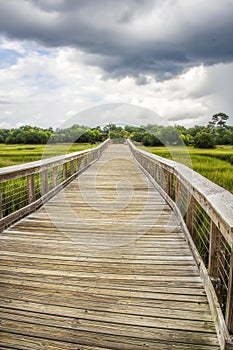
<point>103,265</point>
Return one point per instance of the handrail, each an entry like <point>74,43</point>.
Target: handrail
<point>25,187</point>
<point>206,213</point>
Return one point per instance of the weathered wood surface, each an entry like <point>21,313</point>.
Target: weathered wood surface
<point>103,265</point>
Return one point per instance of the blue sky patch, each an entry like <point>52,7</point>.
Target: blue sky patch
<point>9,57</point>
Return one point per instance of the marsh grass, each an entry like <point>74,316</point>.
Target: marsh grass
<point>215,164</point>
<point>18,154</point>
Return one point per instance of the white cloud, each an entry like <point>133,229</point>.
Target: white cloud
<point>14,45</point>
<point>47,89</point>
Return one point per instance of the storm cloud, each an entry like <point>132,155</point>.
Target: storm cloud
<point>162,38</point>
<point>59,58</point>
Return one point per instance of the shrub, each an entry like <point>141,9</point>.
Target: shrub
<point>204,140</point>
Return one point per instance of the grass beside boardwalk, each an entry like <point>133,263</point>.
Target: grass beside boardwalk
<point>17,154</point>
<point>215,164</point>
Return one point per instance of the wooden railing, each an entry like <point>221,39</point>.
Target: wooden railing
<point>206,214</point>
<point>25,187</point>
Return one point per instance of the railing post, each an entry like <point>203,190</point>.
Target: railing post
<point>71,167</point>
<point>169,184</point>
<point>44,182</point>
<point>229,306</point>
<point>163,180</point>
<point>190,215</point>
<point>78,162</point>
<point>65,171</point>
<point>31,188</point>
<point>160,180</point>
<point>81,162</point>
<point>55,176</point>
<point>85,160</point>
<point>1,207</point>
<point>151,168</point>
<point>177,196</point>
<point>214,255</point>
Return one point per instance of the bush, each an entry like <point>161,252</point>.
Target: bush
<point>151,140</point>
<point>204,140</point>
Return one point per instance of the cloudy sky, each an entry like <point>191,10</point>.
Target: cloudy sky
<point>134,61</point>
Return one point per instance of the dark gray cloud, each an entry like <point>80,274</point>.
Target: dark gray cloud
<point>128,37</point>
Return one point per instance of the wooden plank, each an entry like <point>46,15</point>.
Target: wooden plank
<point>77,331</point>
<point>192,314</point>
<point>64,317</point>
<point>27,342</point>
<point>161,295</point>
<point>91,300</point>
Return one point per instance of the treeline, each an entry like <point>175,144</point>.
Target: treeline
<point>79,134</point>
<point>217,132</point>
<point>25,135</point>
<point>74,134</point>
<point>149,135</point>
<point>34,135</point>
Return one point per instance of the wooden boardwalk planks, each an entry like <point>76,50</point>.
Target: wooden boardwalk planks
<point>103,265</point>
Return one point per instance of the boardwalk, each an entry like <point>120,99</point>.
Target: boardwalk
<point>103,265</point>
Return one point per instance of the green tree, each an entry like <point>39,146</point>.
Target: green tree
<point>218,120</point>
<point>170,136</point>
<point>150,139</point>
<point>194,130</point>
<point>147,140</point>
<point>138,135</point>
<point>204,139</point>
